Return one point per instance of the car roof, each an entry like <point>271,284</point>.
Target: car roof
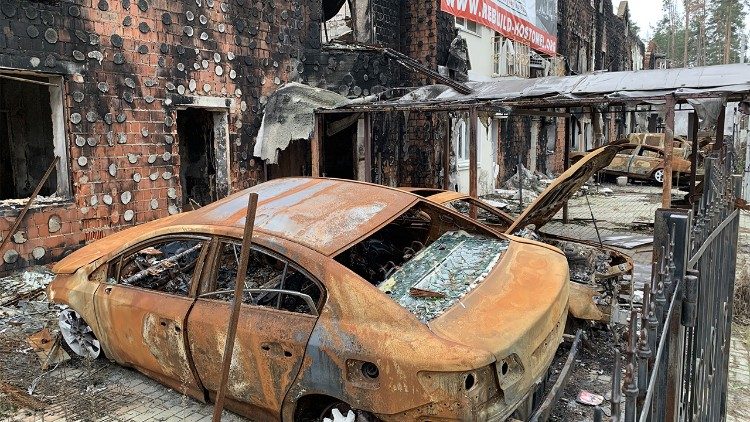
<point>325,215</point>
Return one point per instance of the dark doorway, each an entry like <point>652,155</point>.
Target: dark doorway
<point>293,161</point>
<point>339,158</point>
<point>195,133</point>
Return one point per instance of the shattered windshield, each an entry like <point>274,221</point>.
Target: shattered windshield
<point>426,259</point>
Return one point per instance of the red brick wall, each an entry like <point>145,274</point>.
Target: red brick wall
<point>148,58</point>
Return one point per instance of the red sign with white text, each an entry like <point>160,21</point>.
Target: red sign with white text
<point>491,14</point>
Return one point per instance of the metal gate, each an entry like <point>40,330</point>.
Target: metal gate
<point>677,351</point>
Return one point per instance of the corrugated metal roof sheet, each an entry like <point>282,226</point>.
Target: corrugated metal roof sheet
<point>731,78</point>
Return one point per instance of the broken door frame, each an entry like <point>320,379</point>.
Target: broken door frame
<point>221,108</point>
<point>56,86</point>
<point>317,157</point>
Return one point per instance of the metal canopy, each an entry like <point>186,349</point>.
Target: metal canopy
<point>610,88</point>
<point>540,96</point>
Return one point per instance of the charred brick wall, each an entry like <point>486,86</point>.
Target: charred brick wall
<point>127,67</point>
<point>427,34</point>
<point>595,27</point>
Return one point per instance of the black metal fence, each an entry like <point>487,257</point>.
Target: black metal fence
<point>676,352</point>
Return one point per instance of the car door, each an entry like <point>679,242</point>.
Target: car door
<point>645,161</point>
<point>278,313</point>
<point>621,163</point>
<point>143,306</point>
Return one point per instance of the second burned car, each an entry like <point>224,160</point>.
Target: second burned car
<point>596,271</point>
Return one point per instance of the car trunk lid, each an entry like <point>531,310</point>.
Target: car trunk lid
<point>552,199</point>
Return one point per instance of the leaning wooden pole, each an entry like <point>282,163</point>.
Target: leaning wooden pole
<point>666,193</point>
<point>239,283</point>
<point>26,207</point>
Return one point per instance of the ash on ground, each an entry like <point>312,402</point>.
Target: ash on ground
<point>591,371</point>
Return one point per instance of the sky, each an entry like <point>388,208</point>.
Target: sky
<point>647,12</point>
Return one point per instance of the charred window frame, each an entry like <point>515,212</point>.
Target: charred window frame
<point>32,145</point>
<point>338,21</point>
<point>115,266</point>
<point>264,297</point>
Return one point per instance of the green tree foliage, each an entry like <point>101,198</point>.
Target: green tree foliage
<point>714,31</point>
<point>726,23</point>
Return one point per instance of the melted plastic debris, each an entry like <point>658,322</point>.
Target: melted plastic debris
<point>452,266</point>
<point>584,261</point>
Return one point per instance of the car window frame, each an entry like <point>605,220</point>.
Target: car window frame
<point>506,220</point>
<point>649,148</point>
<point>210,277</point>
<point>114,279</point>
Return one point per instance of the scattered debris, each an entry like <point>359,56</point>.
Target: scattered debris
<point>20,397</point>
<point>589,398</point>
<point>529,180</point>
<point>47,347</point>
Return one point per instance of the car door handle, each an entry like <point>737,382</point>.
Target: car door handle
<point>107,290</point>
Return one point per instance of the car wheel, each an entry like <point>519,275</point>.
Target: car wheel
<point>338,412</point>
<point>79,338</point>
<point>659,176</point>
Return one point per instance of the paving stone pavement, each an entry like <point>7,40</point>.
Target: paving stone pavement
<point>147,401</point>
<point>738,393</point>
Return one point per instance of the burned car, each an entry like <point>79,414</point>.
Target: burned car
<point>357,296</point>
<point>596,271</point>
<point>643,162</point>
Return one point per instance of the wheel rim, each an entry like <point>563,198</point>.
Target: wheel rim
<point>328,411</point>
<point>659,175</point>
<point>78,335</point>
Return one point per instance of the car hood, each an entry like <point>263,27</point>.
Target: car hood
<point>552,199</point>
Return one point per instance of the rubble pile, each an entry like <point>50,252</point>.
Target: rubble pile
<point>528,180</point>
<point>23,301</point>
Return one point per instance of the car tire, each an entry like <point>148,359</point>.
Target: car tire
<point>78,339</point>
<point>658,176</point>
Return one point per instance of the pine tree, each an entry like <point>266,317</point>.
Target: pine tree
<point>669,33</point>
<point>723,30</point>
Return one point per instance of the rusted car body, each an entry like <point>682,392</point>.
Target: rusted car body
<point>395,306</point>
<point>595,269</point>
<point>644,162</point>
<point>680,146</point>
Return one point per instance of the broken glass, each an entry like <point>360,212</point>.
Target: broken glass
<point>442,273</point>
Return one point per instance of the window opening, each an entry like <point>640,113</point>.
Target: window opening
<point>649,153</point>
<point>468,25</point>
<point>167,266</point>
<point>338,24</point>
<point>462,142</point>
<point>270,281</point>
<point>30,112</point>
